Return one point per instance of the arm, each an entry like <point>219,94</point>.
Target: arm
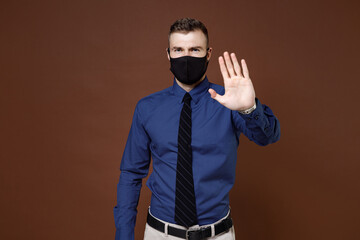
<point>260,126</point>
<point>134,167</point>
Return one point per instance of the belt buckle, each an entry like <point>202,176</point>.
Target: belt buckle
<point>188,231</point>
<point>187,234</point>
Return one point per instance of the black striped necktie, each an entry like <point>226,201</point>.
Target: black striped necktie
<point>185,208</point>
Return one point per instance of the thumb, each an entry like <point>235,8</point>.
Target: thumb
<point>215,96</point>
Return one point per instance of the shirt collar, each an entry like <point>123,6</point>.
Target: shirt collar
<point>195,93</point>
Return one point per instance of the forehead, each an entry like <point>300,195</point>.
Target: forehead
<point>187,39</point>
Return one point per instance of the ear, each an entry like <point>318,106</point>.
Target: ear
<point>209,53</point>
<point>168,53</point>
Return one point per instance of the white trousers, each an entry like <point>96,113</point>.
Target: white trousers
<point>153,234</point>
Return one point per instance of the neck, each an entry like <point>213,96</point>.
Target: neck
<point>187,87</point>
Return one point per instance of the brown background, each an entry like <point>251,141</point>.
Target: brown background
<point>71,74</point>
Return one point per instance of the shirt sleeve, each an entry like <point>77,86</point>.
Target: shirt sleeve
<point>261,126</point>
<point>134,167</point>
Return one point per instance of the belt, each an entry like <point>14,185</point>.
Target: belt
<point>198,234</point>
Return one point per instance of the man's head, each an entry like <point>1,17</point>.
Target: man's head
<point>186,25</point>
<point>188,49</point>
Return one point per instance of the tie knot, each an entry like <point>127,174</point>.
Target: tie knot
<point>187,97</point>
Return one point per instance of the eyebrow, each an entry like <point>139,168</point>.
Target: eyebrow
<point>190,47</point>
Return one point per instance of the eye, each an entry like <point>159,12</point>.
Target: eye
<point>177,50</point>
<point>195,50</point>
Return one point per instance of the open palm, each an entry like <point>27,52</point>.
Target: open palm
<point>239,90</point>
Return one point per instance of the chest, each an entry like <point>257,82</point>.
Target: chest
<point>212,128</point>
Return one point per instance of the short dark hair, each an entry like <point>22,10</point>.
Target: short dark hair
<point>187,25</point>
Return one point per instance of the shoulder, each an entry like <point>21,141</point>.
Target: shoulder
<point>151,101</point>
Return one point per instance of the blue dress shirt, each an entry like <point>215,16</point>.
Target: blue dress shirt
<point>215,138</point>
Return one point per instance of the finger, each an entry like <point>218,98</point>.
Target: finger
<point>229,64</point>
<point>223,69</point>
<point>236,65</point>
<point>216,96</point>
<point>245,69</point>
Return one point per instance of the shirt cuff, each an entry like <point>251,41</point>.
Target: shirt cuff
<point>254,114</point>
<point>257,118</point>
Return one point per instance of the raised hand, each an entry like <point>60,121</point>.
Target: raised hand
<point>239,91</point>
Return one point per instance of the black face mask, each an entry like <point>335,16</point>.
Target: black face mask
<point>187,69</point>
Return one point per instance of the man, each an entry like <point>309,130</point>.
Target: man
<point>191,131</point>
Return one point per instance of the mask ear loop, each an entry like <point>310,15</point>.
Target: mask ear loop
<point>207,51</point>
<point>168,50</point>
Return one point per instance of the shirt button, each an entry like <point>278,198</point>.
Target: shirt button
<point>256,117</point>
